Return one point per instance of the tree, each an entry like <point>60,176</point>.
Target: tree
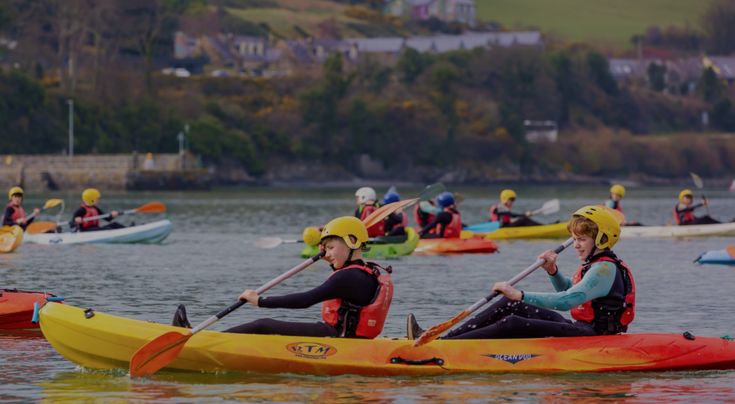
<point>411,64</point>
<point>709,85</point>
<point>718,22</point>
<point>656,76</point>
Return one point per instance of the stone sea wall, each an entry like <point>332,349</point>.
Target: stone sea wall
<point>107,171</point>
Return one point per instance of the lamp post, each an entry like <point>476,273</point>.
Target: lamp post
<point>71,127</point>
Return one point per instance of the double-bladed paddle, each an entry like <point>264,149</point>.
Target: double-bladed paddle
<point>51,203</point>
<point>44,227</point>
<point>162,350</point>
<point>697,180</point>
<point>438,329</point>
<point>427,193</point>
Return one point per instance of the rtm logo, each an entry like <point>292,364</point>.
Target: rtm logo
<point>512,359</point>
<point>311,350</point>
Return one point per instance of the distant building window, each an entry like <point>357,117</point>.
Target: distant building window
<point>540,131</point>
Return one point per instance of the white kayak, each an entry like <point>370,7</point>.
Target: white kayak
<point>695,230</point>
<point>149,233</point>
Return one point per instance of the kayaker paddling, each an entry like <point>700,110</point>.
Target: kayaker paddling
<point>14,213</point>
<point>447,223</point>
<point>617,193</point>
<point>395,223</point>
<point>356,297</point>
<point>504,214</point>
<point>600,295</point>
<point>89,209</point>
<point>684,210</point>
<point>366,200</point>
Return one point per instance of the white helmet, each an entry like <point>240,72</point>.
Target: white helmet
<point>365,195</point>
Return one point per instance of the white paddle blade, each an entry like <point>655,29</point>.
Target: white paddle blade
<point>697,180</point>
<point>268,242</point>
<point>548,208</point>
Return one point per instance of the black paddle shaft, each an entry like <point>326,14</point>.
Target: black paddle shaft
<point>271,284</point>
<point>520,276</point>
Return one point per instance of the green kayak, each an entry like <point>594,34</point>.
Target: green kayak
<point>378,249</point>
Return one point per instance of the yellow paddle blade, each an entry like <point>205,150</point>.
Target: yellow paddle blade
<point>383,211</point>
<point>158,353</point>
<point>40,227</point>
<point>151,207</point>
<point>52,203</point>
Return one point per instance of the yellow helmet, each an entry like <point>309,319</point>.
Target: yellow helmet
<point>606,224</point>
<point>90,196</point>
<point>685,193</point>
<point>618,189</point>
<point>344,227</point>
<point>15,191</point>
<point>507,194</point>
<point>311,235</point>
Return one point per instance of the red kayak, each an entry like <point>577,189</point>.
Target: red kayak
<point>17,306</point>
<point>455,246</point>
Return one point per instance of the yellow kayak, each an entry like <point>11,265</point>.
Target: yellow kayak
<point>10,238</point>
<point>104,341</point>
<point>556,230</point>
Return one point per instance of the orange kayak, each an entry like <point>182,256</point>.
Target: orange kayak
<point>455,246</point>
<point>16,307</point>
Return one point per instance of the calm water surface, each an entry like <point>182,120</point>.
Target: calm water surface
<point>210,258</point>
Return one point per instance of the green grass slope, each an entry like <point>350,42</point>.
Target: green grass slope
<point>607,21</point>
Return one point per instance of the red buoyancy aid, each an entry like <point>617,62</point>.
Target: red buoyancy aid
<point>90,211</point>
<point>18,212</point>
<point>495,217</point>
<point>453,229</point>
<point>376,230</point>
<point>610,314</point>
<point>422,218</point>
<point>404,219</point>
<point>370,318</point>
<point>683,216</point>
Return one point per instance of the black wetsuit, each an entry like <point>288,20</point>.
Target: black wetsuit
<point>513,319</point>
<point>352,285</point>
<point>8,214</point>
<point>444,218</point>
<point>697,220</point>
<point>80,212</point>
<point>394,225</point>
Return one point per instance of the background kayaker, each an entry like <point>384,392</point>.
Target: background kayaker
<point>366,198</point>
<point>503,213</point>
<point>447,223</point>
<point>684,210</point>
<point>600,295</point>
<point>356,297</point>
<point>395,224</point>
<point>88,208</point>
<point>424,212</point>
<point>617,193</point>
<point>14,213</point>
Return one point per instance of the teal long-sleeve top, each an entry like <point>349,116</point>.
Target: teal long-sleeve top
<point>596,283</point>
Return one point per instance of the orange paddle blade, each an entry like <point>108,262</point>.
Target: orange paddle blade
<point>40,227</point>
<point>383,211</point>
<point>437,330</point>
<point>158,353</point>
<point>730,250</point>
<point>152,207</point>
